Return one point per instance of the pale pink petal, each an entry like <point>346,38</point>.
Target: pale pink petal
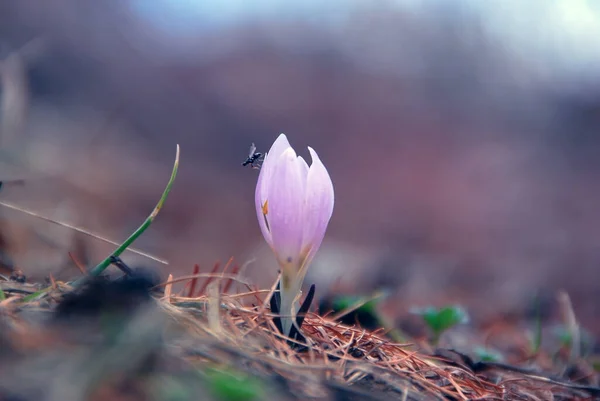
<point>259,201</point>
<point>305,168</point>
<point>280,145</point>
<point>264,182</point>
<point>318,207</point>
<point>286,201</point>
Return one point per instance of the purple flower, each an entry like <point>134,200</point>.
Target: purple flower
<point>294,203</point>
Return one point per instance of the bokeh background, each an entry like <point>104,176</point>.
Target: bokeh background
<point>462,138</point>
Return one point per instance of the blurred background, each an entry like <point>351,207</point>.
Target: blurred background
<point>462,138</point>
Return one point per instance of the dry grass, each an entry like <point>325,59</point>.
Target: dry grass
<point>217,329</point>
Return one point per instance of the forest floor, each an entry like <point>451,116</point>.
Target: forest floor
<point>127,338</point>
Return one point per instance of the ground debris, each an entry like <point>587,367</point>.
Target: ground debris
<point>123,340</point>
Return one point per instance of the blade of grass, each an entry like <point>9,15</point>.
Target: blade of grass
<point>570,322</point>
<point>106,262</point>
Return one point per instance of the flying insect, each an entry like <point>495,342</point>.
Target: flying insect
<point>254,158</point>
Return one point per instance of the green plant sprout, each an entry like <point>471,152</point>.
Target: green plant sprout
<point>536,340</point>
<point>350,309</point>
<point>369,308</point>
<point>565,337</point>
<point>440,320</point>
<point>488,355</point>
<point>233,386</point>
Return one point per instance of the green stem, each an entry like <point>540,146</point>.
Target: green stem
<point>106,262</point>
<point>435,340</point>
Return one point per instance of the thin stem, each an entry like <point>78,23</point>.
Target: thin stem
<point>106,262</point>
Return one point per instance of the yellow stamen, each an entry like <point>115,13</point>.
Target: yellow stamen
<point>265,211</point>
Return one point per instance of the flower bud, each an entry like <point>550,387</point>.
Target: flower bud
<point>294,203</point>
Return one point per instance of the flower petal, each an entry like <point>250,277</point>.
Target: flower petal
<point>286,202</point>
<point>270,159</point>
<point>264,182</point>
<point>304,166</point>
<point>279,146</point>
<point>259,203</point>
<point>318,207</point>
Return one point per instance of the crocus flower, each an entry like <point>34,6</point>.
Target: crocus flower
<point>294,203</point>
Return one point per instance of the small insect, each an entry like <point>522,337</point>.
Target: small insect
<point>254,157</point>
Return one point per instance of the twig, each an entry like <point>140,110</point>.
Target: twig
<point>207,275</point>
<point>194,281</point>
<point>168,289</point>
<point>80,230</point>
<point>77,263</point>
<point>206,282</point>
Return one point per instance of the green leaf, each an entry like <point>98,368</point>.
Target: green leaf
<point>487,355</point>
<point>345,302</point>
<point>233,386</point>
<point>536,341</point>
<point>440,320</point>
<point>564,336</point>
